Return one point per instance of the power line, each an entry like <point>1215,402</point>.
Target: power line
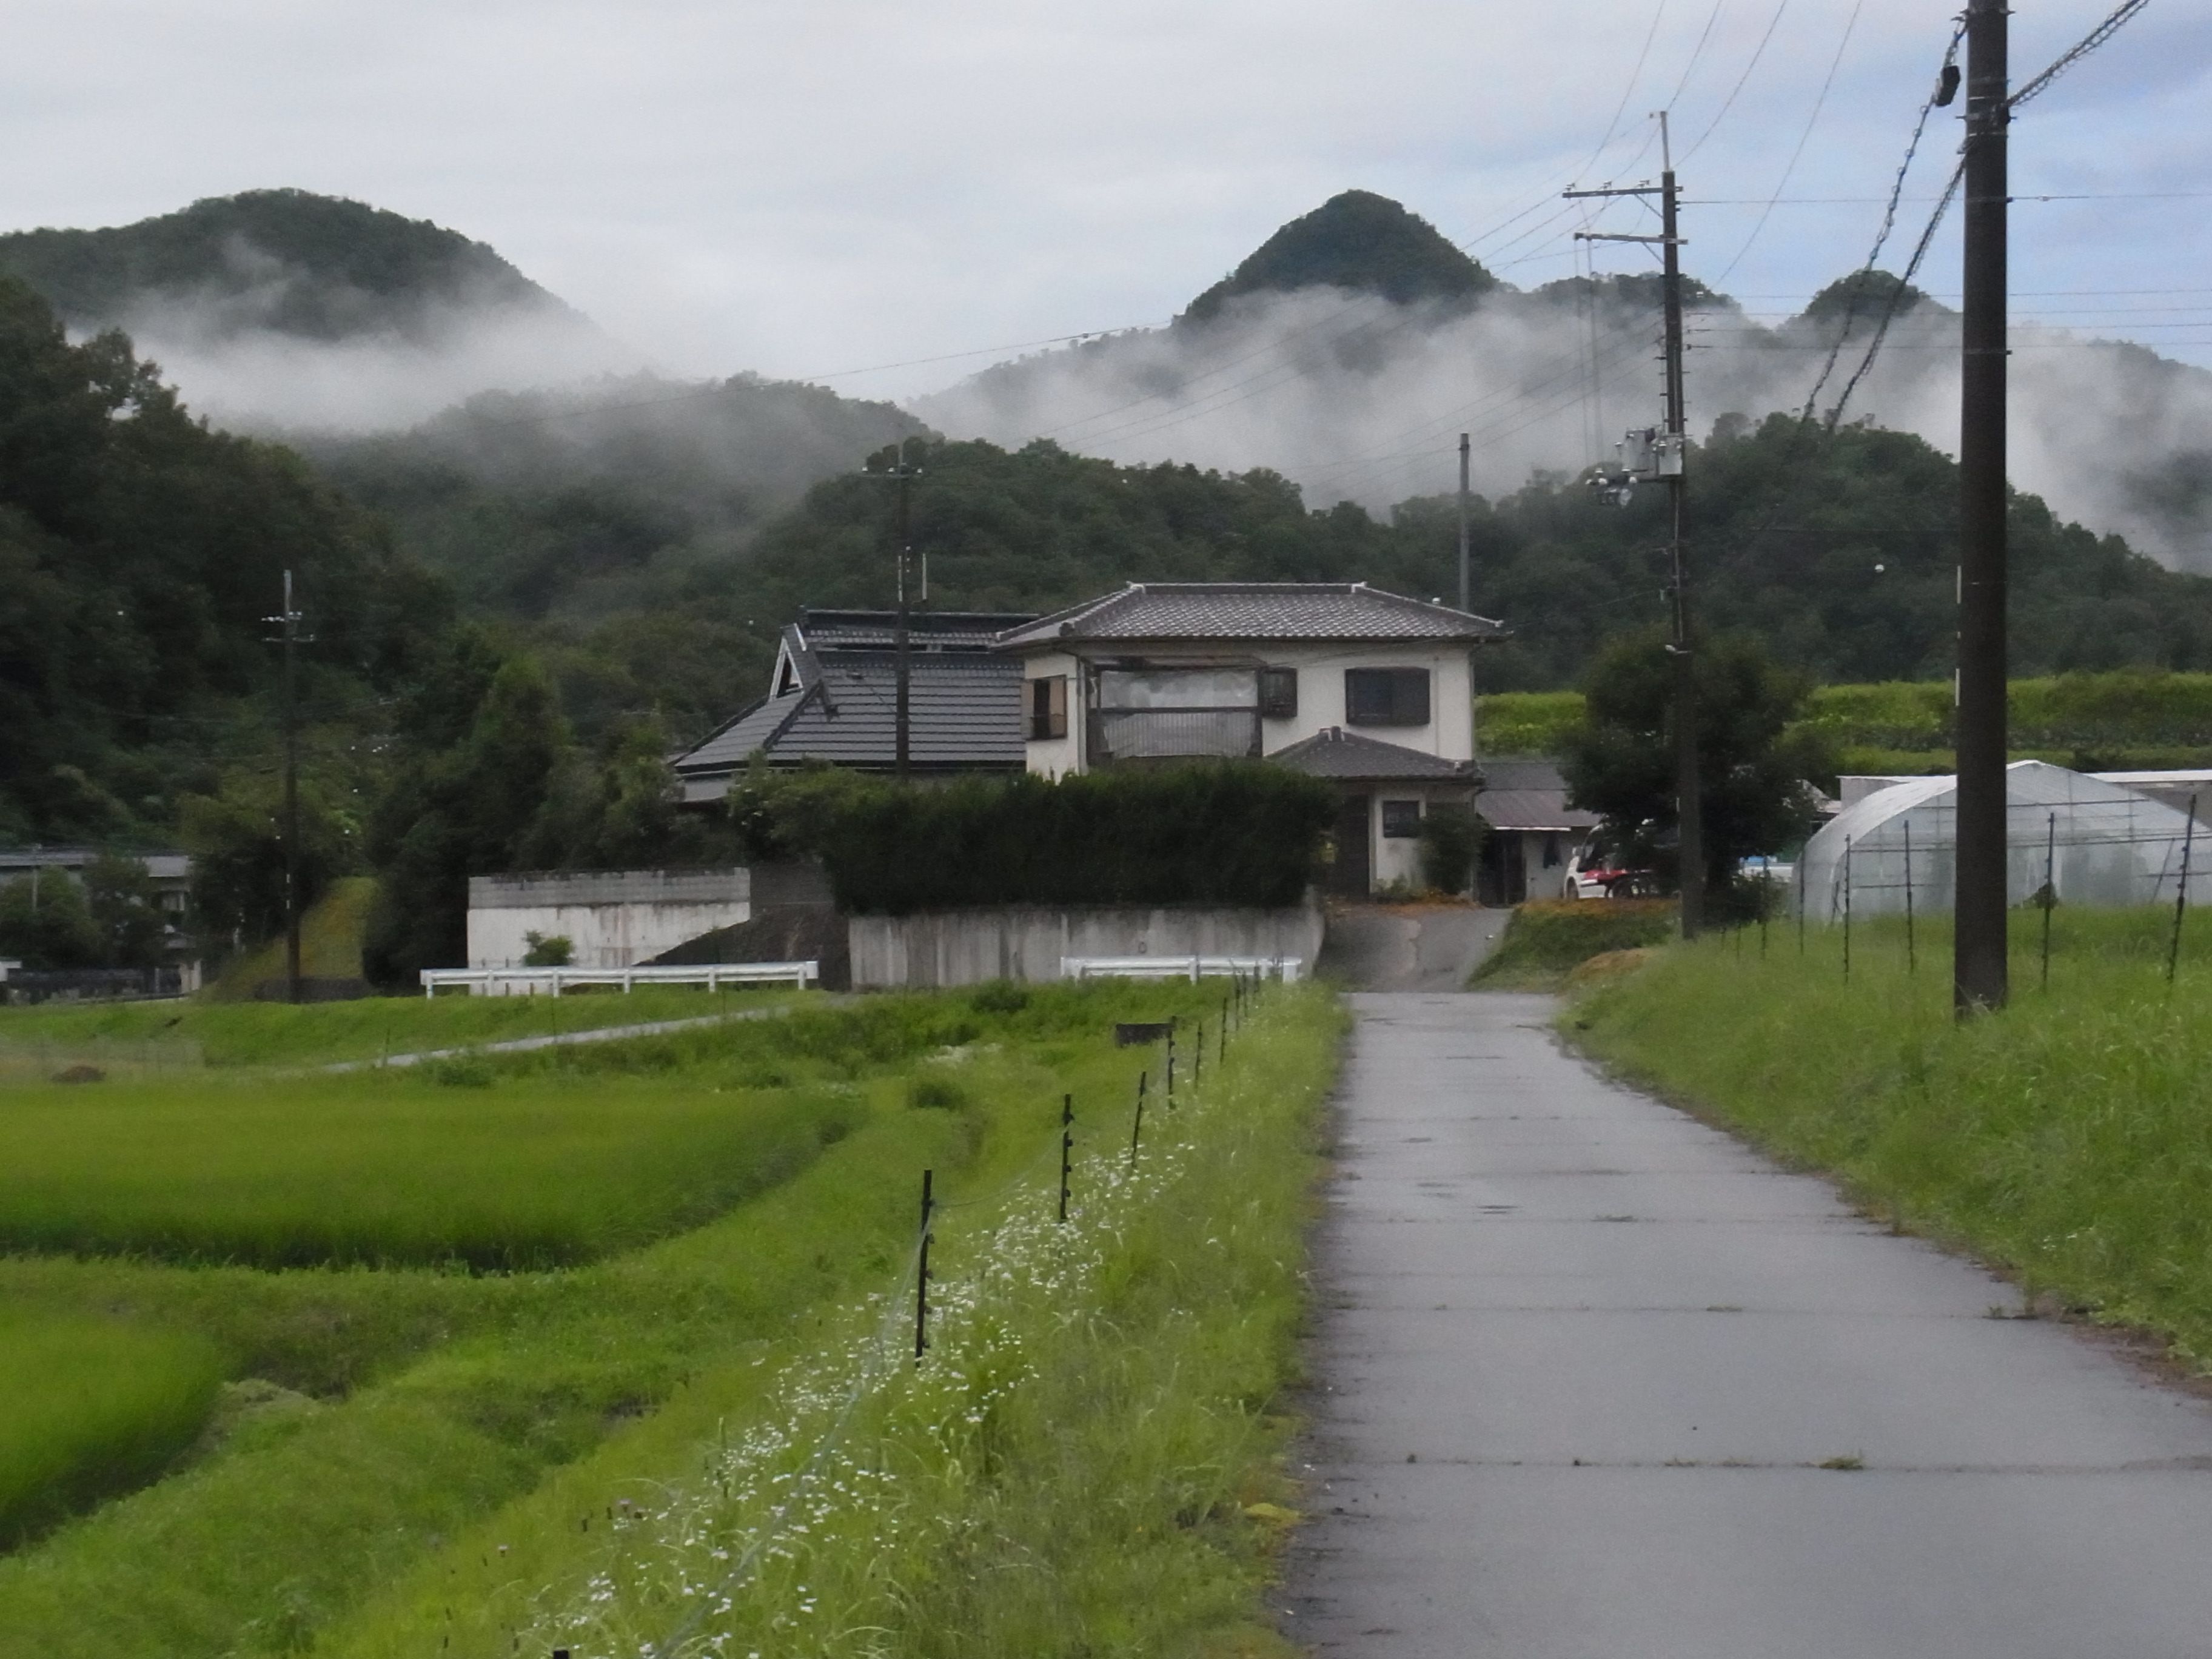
<point>1804,138</point>
<point>1729,103</point>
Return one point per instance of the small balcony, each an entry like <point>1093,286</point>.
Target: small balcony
<point>1121,736</point>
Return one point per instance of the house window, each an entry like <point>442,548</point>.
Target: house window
<point>1401,819</point>
<point>1552,850</point>
<point>1278,693</point>
<point>1386,696</point>
<point>1048,707</point>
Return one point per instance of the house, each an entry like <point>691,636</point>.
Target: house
<point>1533,833</point>
<point>1368,688</point>
<point>833,696</point>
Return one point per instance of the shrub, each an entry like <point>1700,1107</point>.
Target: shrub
<point>554,951</point>
<point>1548,938</point>
<point>936,1094</point>
<point>1451,837</point>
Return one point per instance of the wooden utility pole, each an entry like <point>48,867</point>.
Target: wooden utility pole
<point>289,619</point>
<point>1980,969</point>
<point>1466,587</point>
<point>900,646</point>
<point>1666,458</point>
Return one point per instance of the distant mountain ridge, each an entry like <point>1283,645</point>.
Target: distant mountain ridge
<point>286,262</point>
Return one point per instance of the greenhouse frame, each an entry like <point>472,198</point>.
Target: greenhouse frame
<point>2095,843</point>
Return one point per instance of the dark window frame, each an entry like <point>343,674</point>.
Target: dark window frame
<point>1397,824</point>
<point>1047,710</point>
<point>1278,693</point>
<point>1386,696</point>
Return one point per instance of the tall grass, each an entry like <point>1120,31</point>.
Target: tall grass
<point>89,1408</point>
<point>1084,1463</point>
<point>1547,939</point>
<point>2067,1137</point>
<point>391,1171</point>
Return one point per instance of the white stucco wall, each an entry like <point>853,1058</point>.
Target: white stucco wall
<point>967,947</point>
<point>1051,758</point>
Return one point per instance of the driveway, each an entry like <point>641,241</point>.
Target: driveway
<point>1409,947</point>
<point>1599,1382</point>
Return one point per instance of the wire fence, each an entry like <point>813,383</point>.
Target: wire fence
<point>793,1480</point>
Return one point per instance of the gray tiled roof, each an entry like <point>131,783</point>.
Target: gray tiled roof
<point>871,630</point>
<point>1337,753</point>
<point>1256,611</point>
<point>965,715</point>
<point>1528,794</point>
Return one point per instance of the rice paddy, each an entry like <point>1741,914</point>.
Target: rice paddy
<point>417,1316</point>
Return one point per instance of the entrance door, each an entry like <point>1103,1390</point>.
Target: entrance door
<point>1354,872</point>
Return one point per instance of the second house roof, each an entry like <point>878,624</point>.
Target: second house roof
<point>1255,611</point>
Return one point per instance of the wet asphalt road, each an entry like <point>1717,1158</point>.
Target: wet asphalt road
<point>1583,1358</point>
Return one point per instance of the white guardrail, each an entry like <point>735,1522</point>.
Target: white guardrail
<point>1285,967</point>
<point>529,982</point>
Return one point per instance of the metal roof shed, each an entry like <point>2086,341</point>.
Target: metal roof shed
<point>2103,844</point>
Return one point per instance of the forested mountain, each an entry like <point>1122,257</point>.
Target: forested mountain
<point>284,261</point>
<point>140,555</point>
<point>1358,241</point>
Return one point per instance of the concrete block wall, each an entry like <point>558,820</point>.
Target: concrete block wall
<point>967,947</point>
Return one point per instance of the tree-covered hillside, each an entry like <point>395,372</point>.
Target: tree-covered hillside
<point>288,261</point>
<point>140,554</point>
<point>1356,240</point>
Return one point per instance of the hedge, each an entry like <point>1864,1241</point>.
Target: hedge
<point>1242,834</point>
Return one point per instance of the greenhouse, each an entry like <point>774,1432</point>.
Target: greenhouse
<point>2095,843</point>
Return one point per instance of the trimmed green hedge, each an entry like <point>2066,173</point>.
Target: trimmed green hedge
<point>1238,833</point>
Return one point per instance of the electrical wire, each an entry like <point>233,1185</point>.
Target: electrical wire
<point>1804,138</point>
<point>1729,103</point>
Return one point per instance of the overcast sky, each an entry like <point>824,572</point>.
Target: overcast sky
<point>807,188</point>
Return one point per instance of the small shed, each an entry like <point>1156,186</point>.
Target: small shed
<point>2097,844</point>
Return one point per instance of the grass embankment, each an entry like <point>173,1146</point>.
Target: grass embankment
<point>1546,939</point>
<point>1086,1462</point>
<point>2065,1140</point>
<point>2128,720</point>
<point>385,1431</point>
<point>164,1035</point>
<point>331,935</point>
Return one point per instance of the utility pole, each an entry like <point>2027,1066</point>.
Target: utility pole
<point>291,638</point>
<point>1979,967</point>
<point>1666,463</point>
<point>902,651</point>
<point>1466,588</point>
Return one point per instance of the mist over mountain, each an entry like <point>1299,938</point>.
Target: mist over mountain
<point>1354,376</point>
<point>281,308</point>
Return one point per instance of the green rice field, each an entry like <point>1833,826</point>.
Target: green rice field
<point>304,1354</point>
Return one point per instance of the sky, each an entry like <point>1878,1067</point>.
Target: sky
<point>808,189</point>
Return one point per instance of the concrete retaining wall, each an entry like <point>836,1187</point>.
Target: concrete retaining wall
<point>967,947</point>
<point>612,918</point>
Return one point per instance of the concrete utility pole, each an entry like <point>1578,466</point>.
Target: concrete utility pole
<point>1466,588</point>
<point>1666,463</point>
<point>1979,969</point>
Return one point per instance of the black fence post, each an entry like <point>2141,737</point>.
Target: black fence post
<point>1171,1060</point>
<point>921,1273</point>
<point>1198,1057</point>
<point>1066,1147</point>
<point>1137,1129</point>
<point>1847,909</point>
<point>1912,954</point>
<point>2181,892</point>
<point>2049,890</point>
<point>1224,1054</point>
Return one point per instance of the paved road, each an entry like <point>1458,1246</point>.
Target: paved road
<point>1409,947</point>
<point>1584,1360</point>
